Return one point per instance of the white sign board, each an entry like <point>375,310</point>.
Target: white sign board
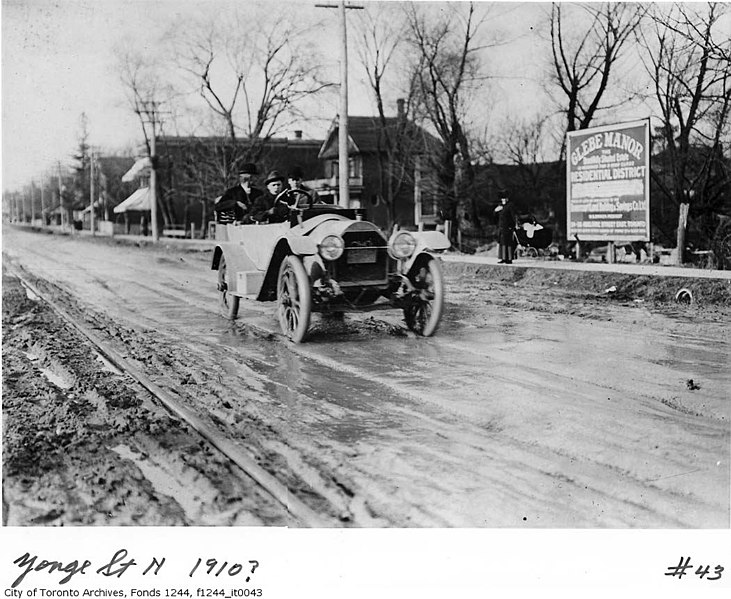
<point>608,183</point>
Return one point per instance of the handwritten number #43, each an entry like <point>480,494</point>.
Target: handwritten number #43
<point>703,571</point>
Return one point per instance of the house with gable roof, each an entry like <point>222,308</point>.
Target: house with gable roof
<point>412,198</point>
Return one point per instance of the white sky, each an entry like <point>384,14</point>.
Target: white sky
<point>58,61</point>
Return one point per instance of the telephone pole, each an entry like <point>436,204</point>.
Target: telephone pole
<point>150,114</point>
<point>91,193</point>
<point>153,181</point>
<point>43,202</point>
<point>343,160</point>
<point>32,201</point>
<point>60,194</point>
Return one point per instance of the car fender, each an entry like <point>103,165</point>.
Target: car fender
<point>431,241</point>
<point>417,257</point>
<point>290,245</point>
<point>427,243</point>
<point>234,255</point>
<point>301,246</point>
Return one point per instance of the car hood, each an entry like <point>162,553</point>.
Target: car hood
<point>321,226</point>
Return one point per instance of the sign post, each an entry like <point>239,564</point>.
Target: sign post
<point>608,183</point>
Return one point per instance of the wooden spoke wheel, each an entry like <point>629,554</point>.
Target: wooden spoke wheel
<point>294,300</point>
<point>424,310</point>
<point>227,302</point>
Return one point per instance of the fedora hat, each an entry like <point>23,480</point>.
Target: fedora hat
<point>274,176</point>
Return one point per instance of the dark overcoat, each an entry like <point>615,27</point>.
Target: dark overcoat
<point>236,205</point>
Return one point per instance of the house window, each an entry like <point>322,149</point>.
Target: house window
<point>428,205</point>
<point>353,167</point>
<point>428,194</point>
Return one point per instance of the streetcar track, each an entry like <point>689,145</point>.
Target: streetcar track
<point>280,493</point>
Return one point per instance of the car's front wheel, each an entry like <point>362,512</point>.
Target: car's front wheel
<point>228,303</point>
<point>294,300</point>
<point>424,308</point>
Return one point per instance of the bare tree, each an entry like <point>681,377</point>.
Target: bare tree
<point>82,160</point>
<point>381,33</point>
<point>689,62</point>
<point>584,62</point>
<point>523,143</point>
<point>447,70</point>
<point>253,79</point>
<point>142,84</point>
<point>380,37</point>
<point>147,90</point>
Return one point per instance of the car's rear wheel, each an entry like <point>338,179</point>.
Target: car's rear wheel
<point>228,303</point>
<point>424,309</point>
<point>294,299</point>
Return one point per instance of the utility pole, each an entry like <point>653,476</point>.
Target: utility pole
<point>343,161</point>
<point>32,201</point>
<point>91,193</point>
<point>151,114</point>
<point>60,194</point>
<point>43,202</point>
<point>153,181</point>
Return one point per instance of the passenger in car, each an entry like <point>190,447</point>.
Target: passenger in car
<point>237,203</point>
<point>271,206</point>
<point>298,194</point>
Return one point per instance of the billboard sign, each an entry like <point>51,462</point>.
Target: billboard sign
<point>608,183</point>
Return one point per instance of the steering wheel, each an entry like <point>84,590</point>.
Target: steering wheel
<point>294,195</point>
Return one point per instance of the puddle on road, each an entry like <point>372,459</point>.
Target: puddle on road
<point>30,295</point>
<point>171,484</point>
<point>62,381</point>
<point>57,380</point>
<point>107,366</point>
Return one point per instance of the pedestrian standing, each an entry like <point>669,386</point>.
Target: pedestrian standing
<point>506,230</point>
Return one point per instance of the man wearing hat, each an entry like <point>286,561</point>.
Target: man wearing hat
<point>236,204</point>
<point>272,206</point>
<point>506,227</point>
<point>298,193</point>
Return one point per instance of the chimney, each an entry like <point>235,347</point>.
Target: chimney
<point>298,134</point>
<point>400,108</point>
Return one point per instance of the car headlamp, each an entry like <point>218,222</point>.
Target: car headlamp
<point>402,245</point>
<point>331,248</point>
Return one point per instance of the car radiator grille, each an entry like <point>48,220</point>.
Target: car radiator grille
<point>364,261</point>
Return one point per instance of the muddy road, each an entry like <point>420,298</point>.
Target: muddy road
<point>541,401</point>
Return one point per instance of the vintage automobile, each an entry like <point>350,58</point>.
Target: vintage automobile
<point>328,259</point>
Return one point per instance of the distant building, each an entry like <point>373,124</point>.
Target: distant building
<point>414,190</point>
<point>193,171</point>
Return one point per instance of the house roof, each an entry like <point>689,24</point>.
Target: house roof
<point>181,140</point>
<point>280,153</point>
<point>138,201</point>
<point>140,167</point>
<point>365,135</point>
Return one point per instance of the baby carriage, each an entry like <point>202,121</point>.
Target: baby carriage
<point>531,237</point>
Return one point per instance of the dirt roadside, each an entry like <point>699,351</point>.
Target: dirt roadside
<point>83,445</point>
